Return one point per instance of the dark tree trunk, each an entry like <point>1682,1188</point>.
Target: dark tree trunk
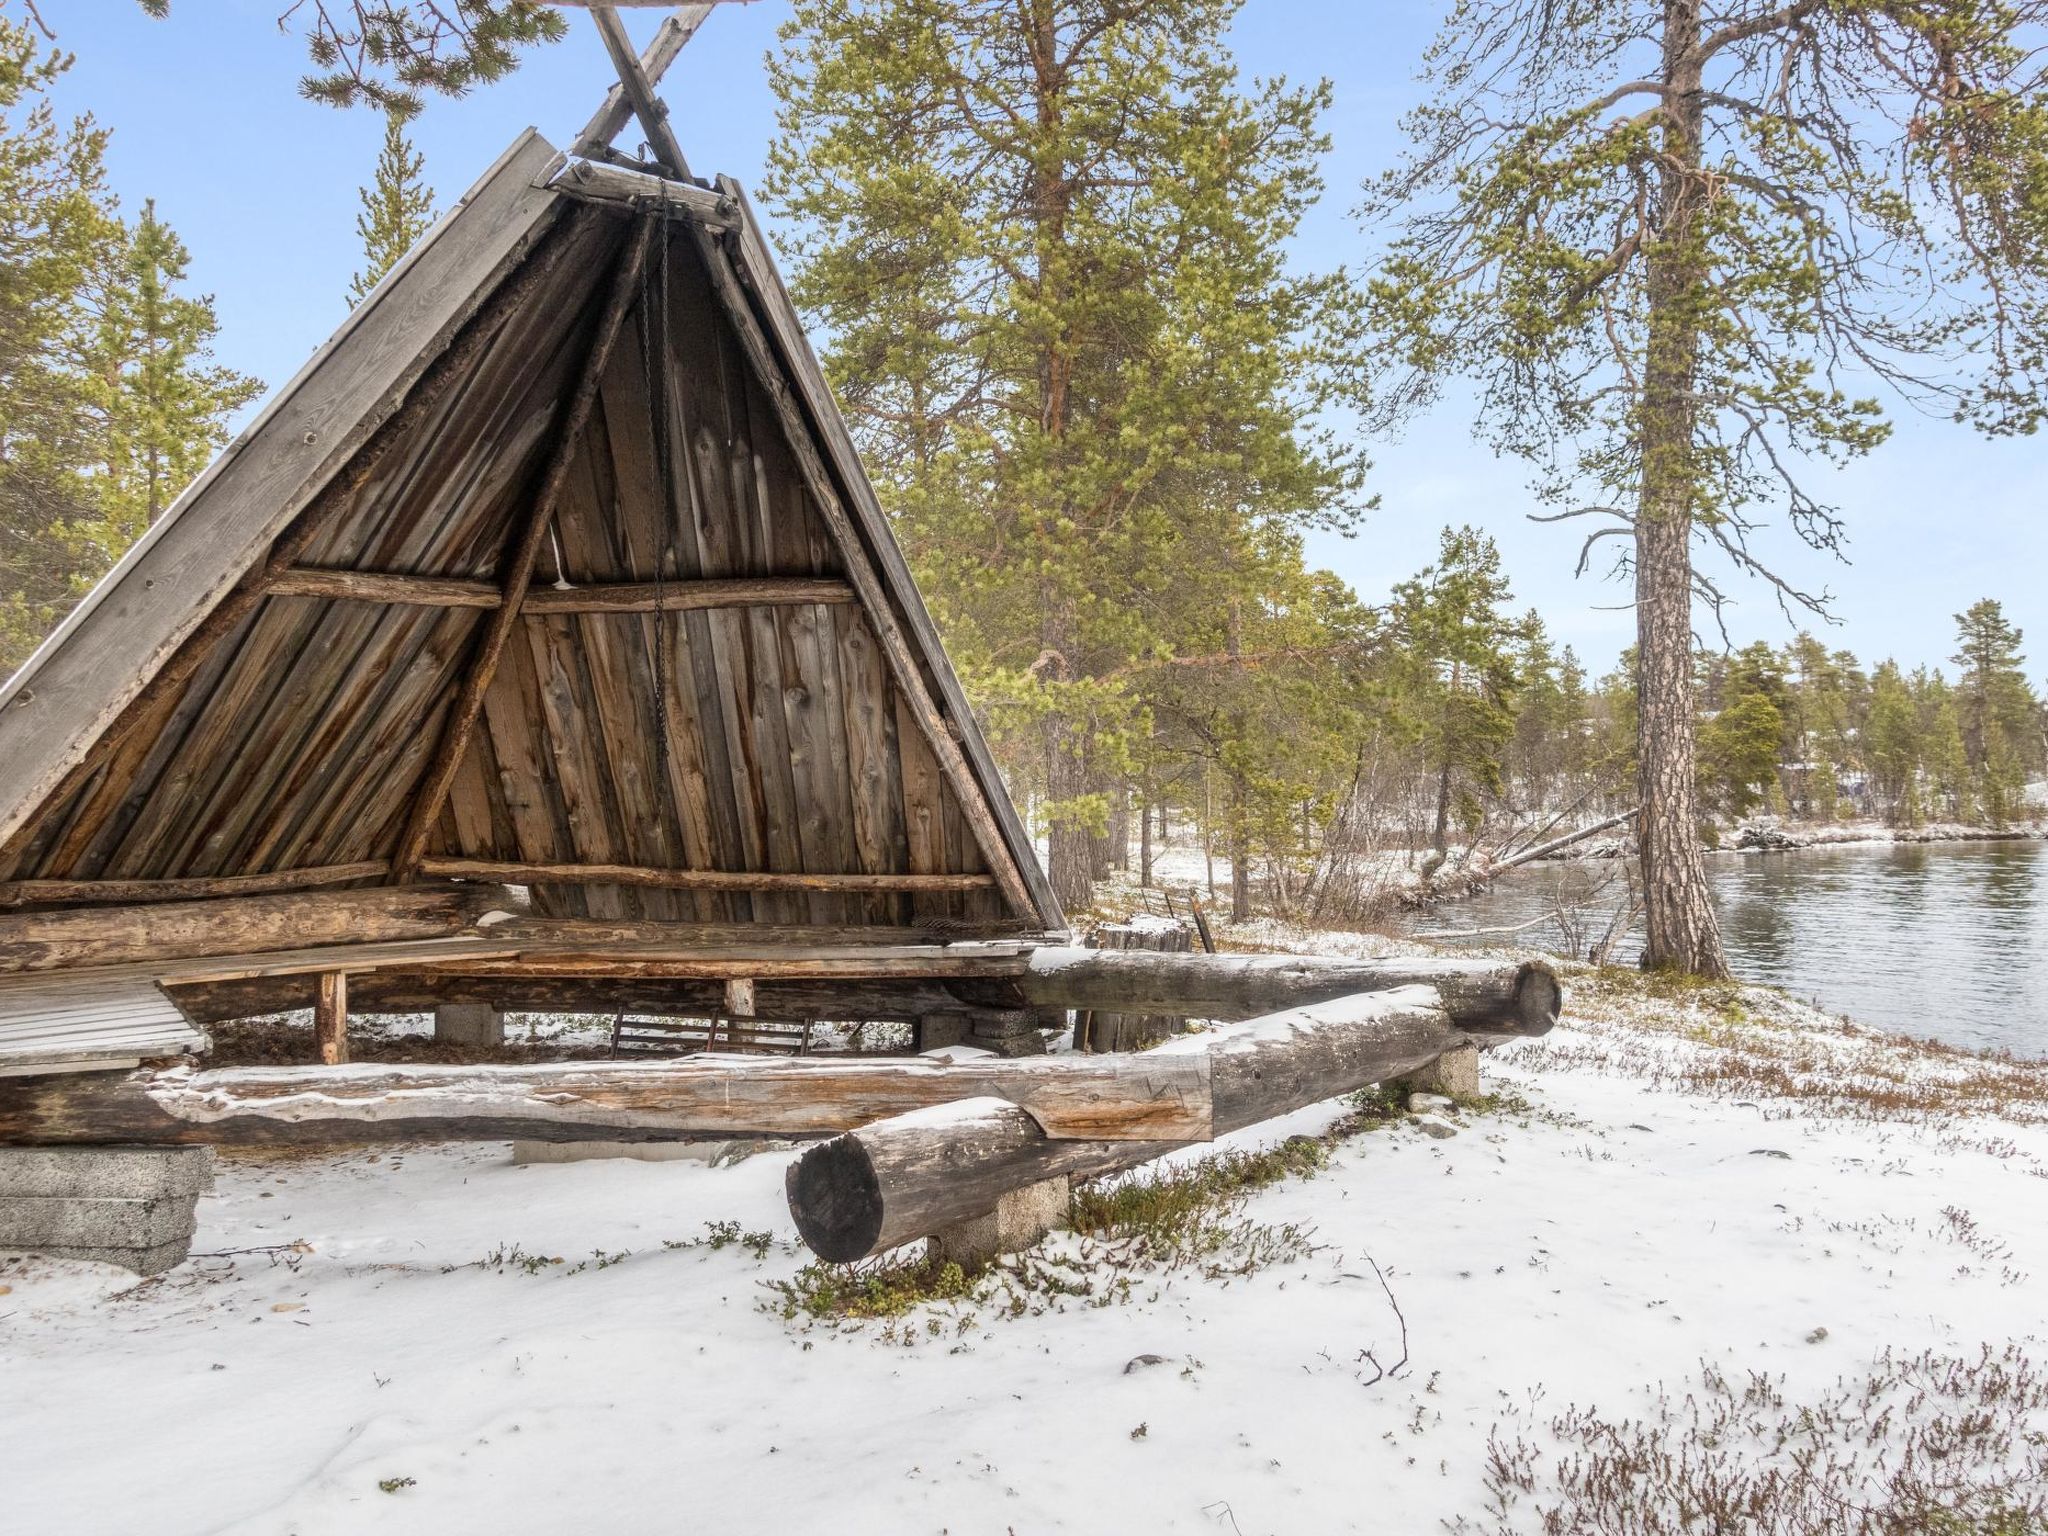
<point>1678,912</point>
<point>1240,855</point>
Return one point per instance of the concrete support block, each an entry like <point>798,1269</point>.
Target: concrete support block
<point>936,1031</point>
<point>132,1206</point>
<point>1455,1074</point>
<point>468,1024</point>
<point>1021,1218</point>
<point>1008,1032</point>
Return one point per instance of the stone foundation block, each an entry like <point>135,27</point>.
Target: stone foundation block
<point>1455,1073</point>
<point>132,1206</point>
<point>468,1024</point>
<point>1021,1218</point>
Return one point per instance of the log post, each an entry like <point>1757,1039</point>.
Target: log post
<point>1147,1097</point>
<point>898,1180</point>
<point>330,1018</point>
<point>244,925</point>
<point>1489,997</point>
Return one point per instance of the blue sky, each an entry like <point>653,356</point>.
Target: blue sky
<point>261,185</point>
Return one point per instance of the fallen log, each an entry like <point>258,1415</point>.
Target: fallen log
<point>1095,1098</point>
<point>244,925</point>
<point>1482,997</point>
<point>898,1180</point>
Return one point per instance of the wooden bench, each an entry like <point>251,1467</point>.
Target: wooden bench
<point>686,1037</point>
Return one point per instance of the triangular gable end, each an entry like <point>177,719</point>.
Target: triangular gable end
<point>555,567</point>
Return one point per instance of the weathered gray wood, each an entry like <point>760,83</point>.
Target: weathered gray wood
<point>669,40</point>
<point>899,1180</point>
<point>469,702</point>
<point>691,879</point>
<point>387,587</point>
<point>758,272</point>
<point>647,107</point>
<point>1493,996</point>
<point>1072,1097</point>
<point>598,182</point>
<point>163,589</point>
<point>944,735</point>
<point>19,893</point>
<point>395,992</point>
<point>241,925</point>
<point>689,596</point>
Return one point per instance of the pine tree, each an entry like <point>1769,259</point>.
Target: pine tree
<point>1999,713</point>
<point>55,216</point>
<point>1048,241</point>
<point>1672,239</point>
<point>163,404</point>
<point>1464,652</point>
<point>1893,746</point>
<point>398,206</point>
<point>1742,747</point>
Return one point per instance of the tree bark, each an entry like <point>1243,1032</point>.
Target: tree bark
<point>1680,927</point>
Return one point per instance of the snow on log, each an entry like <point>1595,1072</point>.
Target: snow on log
<point>244,925</point>
<point>1145,1097</point>
<point>905,1178</point>
<point>1482,997</point>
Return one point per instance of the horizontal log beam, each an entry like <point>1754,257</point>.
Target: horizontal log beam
<point>599,181</point>
<point>21,893</point>
<point>1483,996</point>
<point>242,925</point>
<point>386,992</point>
<point>391,587</point>
<point>515,873</point>
<point>1101,1098</point>
<point>898,1180</point>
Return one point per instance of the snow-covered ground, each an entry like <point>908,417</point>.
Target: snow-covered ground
<point>1697,1181</point>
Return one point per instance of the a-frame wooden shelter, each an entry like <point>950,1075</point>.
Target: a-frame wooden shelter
<point>554,571</point>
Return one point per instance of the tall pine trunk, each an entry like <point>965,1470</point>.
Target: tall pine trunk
<point>1680,929</point>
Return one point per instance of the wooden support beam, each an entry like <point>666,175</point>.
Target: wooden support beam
<point>598,597</point>
<point>899,1180</point>
<point>330,1018</point>
<point>383,992</point>
<point>451,868</point>
<point>22,893</point>
<point>1482,996</point>
<point>639,91</point>
<point>1092,1098</point>
<point>156,935</point>
<point>685,596</point>
<point>387,587</point>
<point>669,40</point>
<point>518,574</point>
<point>739,997</point>
<point>599,181</point>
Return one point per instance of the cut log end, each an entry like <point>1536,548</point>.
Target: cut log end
<point>836,1198</point>
<point>1539,998</point>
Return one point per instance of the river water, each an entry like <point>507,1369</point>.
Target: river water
<point>1946,940</point>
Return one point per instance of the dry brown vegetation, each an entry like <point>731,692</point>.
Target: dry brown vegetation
<point>1727,1041</point>
<point>1920,1445</point>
